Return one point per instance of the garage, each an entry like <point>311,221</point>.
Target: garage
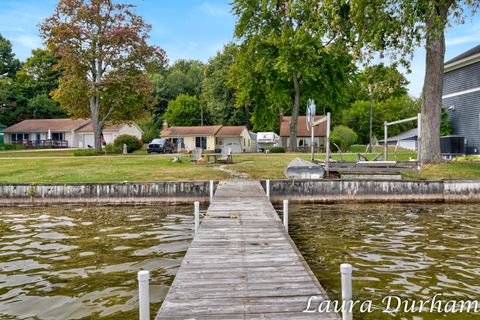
<point>86,140</point>
<point>233,144</point>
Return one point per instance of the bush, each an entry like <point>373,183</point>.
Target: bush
<point>110,148</point>
<point>277,150</point>
<point>132,143</point>
<point>85,152</point>
<point>343,137</point>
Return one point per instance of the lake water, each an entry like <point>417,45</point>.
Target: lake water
<point>81,263</point>
<point>66,263</point>
<point>412,251</point>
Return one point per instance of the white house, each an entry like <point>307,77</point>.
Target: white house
<point>63,133</point>
<point>237,138</point>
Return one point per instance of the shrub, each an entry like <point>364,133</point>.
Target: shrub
<point>132,143</point>
<point>343,137</point>
<point>110,148</point>
<point>85,152</point>
<point>8,147</point>
<point>277,150</point>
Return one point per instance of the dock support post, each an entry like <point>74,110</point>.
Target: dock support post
<point>267,187</point>
<point>211,191</point>
<point>144,294</point>
<point>346,271</point>
<point>285,214</point>
<point>197,216</point>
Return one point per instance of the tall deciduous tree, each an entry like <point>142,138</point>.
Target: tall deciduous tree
<point>183,77</point>
<point>287,51</point>
<point>396,28</point>
<point>9,65</point>
<point>186,110</point>
<point>384,82</point>
<point>103,54</point>
<point>218,96</point>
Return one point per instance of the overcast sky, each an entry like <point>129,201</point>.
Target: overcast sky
<point>193,29</point>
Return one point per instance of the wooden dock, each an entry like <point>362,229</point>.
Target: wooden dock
<point>242,264</point>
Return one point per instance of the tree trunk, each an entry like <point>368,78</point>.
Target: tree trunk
<point>97,129</point>
<point>432,93</point>
<point>295,110</point>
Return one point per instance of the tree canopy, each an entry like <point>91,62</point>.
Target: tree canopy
<point>394,29</point>
<point>186,110</point>
<point>103,54</point>
<point>183,77</point>
<point>218,96</point>
<point>9,65</point>
<point>287,55</point>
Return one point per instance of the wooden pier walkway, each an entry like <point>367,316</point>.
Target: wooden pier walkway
<point>242,264</point>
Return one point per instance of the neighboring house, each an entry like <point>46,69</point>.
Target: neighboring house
<point>461,96</point>
<point>110,133</point>
<point>406,140</point>
<point>218,137</point>
<point>2,127</point>
<point>64,133</point>
<point>303,134</point>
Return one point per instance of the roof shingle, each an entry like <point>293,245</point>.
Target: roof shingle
<point>230,131</point>
<point>302,130</point>
<point>43,125</point>
<point>190,131</point>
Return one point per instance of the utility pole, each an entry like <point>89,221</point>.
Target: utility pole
<point>201,115</point>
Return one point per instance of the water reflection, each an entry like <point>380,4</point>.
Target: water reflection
<point>412,251</point>
<point>65,263</point>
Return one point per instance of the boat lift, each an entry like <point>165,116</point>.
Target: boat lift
<point>419,135</point>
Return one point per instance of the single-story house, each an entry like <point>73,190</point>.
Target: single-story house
<point>65,133</point>
<point>304,138</point>
<point>212,138</point>
<point>406,140</point>
<point>461,96</point>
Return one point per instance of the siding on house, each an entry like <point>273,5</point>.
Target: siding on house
<point>461,89</point>
<point>461,79</point>
<point>465,119</point>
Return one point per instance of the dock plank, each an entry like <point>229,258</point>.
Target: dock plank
<point>242,264</point>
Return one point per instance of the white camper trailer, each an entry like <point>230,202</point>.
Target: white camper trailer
<point>267,140</point>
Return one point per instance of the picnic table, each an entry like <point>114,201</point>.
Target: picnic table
<point>216,157</point>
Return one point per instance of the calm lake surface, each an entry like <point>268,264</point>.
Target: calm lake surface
<point>66,263</point>
<point>81,263</point>
<point>412,251</point>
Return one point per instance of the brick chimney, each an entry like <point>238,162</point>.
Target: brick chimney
<point>281,117</point>
<point>165,124</point>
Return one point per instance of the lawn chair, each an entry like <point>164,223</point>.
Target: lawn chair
<point>226,156</point>
<point>362,157</point>
<point>378,158</point>
<point>196,155</point>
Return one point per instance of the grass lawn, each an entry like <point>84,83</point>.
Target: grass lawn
<point>36,153</point>
<point>60,166</point>
<point>104,169</point>
<point>447,170</point>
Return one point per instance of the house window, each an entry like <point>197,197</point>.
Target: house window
<point>58,136</point>
<point>201,142</point>
<point>20,136</point>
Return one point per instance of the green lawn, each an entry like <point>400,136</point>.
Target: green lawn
<point>104,169</point>
<point>60,166</point>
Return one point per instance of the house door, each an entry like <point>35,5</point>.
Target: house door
<point>38,138</point>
